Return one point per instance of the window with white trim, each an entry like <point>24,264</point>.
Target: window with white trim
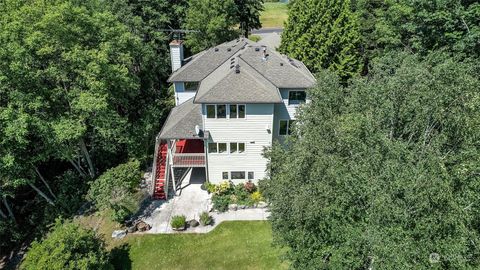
<point>296,97</point>
<point>211,111</point>
<point>236,111</point>
<point>190,86</point>
<point>237,148</point>
<point>285,127</point>
<point>251,175</point>
<point>216,111</point>
<point>224,175</point>
<point>237,175</point>
<point>212,148</point>
<point>220,148</point>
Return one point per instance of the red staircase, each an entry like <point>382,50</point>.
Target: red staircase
<point>159,189</point>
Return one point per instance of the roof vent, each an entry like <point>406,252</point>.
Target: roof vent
<point>229,49</point>
<point>257,49</point>
<point>237,68</point>
<point>281,64</point>
<point>232,66</point>
<point>216,49</point>
<point>232,59</point>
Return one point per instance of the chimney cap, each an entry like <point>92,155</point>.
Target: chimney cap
<point>176,42</point>
<point>237,68</point>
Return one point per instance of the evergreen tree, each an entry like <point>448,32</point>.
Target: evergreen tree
<point>324,35</point>
<point>215,21</point>
<point>248,13</point>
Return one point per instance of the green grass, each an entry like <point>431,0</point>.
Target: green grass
<point>232,245</point>
<point>274,15</point>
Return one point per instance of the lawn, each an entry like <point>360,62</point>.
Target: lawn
<point>232,245</point>
<point>274,15</point>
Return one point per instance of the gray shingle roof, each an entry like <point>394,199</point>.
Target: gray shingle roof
<point>247,86</point>
<point>282,71</point>
<point>182,120</point>
<point>203,63</point>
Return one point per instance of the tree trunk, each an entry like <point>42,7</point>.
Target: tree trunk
<point>78,168</point>
<point>83,147</point>
<point>2,214</point>
<point>44,182</point>
<point>42,194</point>
<point>10,212</point>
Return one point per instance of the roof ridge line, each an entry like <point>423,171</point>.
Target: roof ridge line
<point>281,58</point>
<point>278,89</point>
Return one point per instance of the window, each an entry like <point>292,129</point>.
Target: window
<point>191,86</point>
<point>237,175</point>
<point>241,147</point>
<point>212,147</point>
<point>296,97</point>
<point>241,111</point>
<point>233,148</point>
<point>233,111</point>
<point>221,111</point>
<point>237,111</point>
<point>224,175</point>
<point>222,147</point>
<point>210,111</point>
<point>286,127</point>
<point>251,175</point>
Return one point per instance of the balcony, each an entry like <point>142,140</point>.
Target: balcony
<point>188,153</point>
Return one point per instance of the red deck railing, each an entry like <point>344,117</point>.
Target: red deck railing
<point>189,160</point>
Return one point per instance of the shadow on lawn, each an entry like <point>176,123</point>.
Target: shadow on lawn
<point>120,257</point>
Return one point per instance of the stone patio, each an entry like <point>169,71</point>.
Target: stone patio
<point>191,202</point>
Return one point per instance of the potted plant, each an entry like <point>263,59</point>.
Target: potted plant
<point>178,223</point>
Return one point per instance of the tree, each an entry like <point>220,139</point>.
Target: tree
<point>383,173</point>
<point>323,34</point>
<point>115,189</point>
<point>67,246</point>
<point>215,21</point>
<point>248,13</point>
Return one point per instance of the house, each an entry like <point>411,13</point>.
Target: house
<point>232,101</point>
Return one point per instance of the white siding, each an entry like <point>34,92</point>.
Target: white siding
<point>176,56</point>
<point>252,130</point>
<point>283,111</point>
<point>181,95</point>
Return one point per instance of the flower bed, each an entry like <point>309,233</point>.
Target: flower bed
<point>241,195</point>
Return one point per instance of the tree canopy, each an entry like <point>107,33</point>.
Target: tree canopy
<point>383,173</point>
<point>67,246</point>
<point>324,35</point>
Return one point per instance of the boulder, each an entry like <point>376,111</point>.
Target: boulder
<point>241,206</point>
<point>232,207</point>
<point>119,234</point>
<point>142,226</point>
<point>132,229</point>
<point>192,223</point>
<point>262,205</point>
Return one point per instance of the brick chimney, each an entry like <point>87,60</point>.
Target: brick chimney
<point>176,54</point>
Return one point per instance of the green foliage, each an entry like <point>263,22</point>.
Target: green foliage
<point>384,172</point>
<point>248,14</point>
<point>178,222</point>
<point>67,246</point>
<point>221,202</point>
<point>324,35</point>
<point>205,219</point>
<point>227,193</point>
<point>115,189</point>
<point>256,197</point>
<point>215,20</point>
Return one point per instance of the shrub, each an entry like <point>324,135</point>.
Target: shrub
<point>120,213</point>
<point>225,187</point>
<point>250,187</point>
<point>220,202</point>
<point>205,219</point>
<point>211,188</point>
<point>67,246</point>
<point>115,189</point>
<point>256,197</point>
<point>178,222</point>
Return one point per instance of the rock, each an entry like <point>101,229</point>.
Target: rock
<point>241,206</point>
<point>262,205</point>
<point>192,223</point>
<point>143,226</point>
<point>132,229</point>
<point>232,207</point>
<point>119,234</point>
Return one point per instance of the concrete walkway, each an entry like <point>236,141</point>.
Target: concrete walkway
<point>193,201</point>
